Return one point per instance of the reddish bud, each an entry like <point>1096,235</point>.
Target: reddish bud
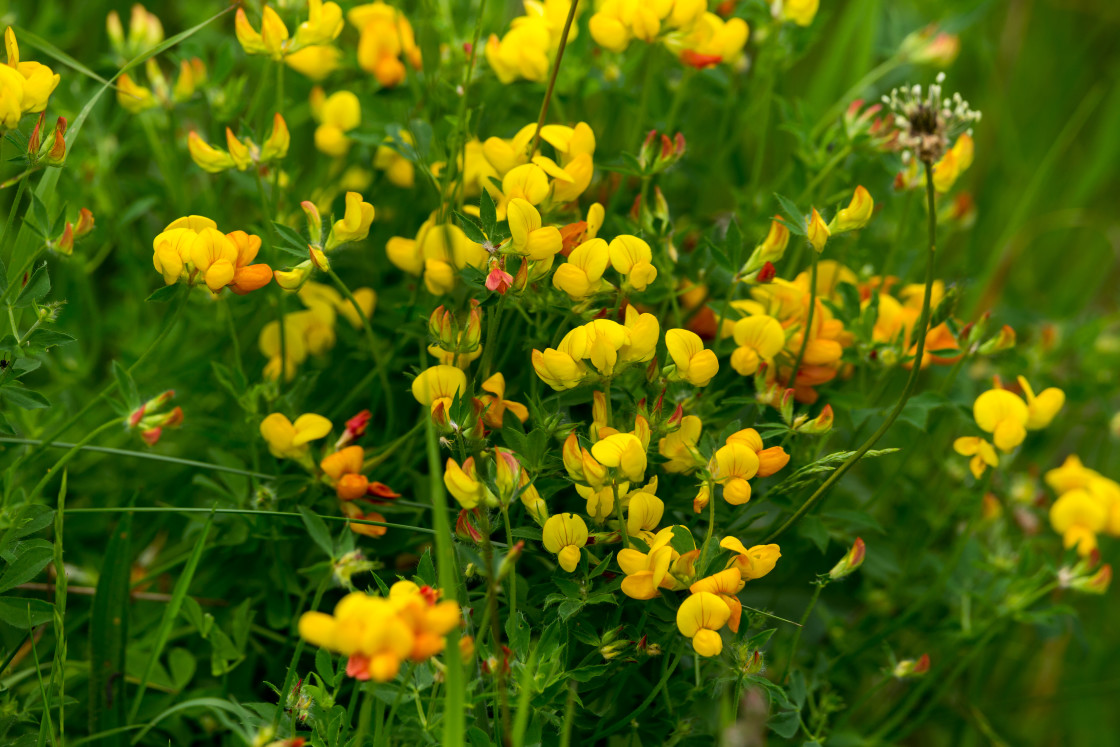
<point>767,273</point>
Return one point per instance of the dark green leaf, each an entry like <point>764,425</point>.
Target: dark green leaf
<point>24,398</point>
<point>126,386</point>
<point>18,612</point>
<point>38,286</point>
<point>317,530</point>
<point>164,294</point>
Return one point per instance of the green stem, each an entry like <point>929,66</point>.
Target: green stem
<point>536,143</point>
<point>501,695</point>
<point>139,455</point>
<point>618,513</point>
<point>293,665</point>
<point>513,568</point>
<point>865,82</point>
<point>12,214</point>
<point>915,371</point>
<point>454,722</point>
<point>109,388</point>
<point>62,460</point>
<point>800,629</point>
<point>823,174</point>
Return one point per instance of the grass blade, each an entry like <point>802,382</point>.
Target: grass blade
<point>108,631</point>
<point>169,614</point>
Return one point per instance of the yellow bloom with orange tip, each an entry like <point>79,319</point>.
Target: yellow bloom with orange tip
<point>709,41</point>
<point>336,114</point>
<point>582,274</point>
<point>278,141</point>
<point>207,156</point>
<point>693,363</point>
<point>247,277</point>
<point>528,236</point>
<point>344,468</point>
<point>856,215</point>
<point>385,38</point>
<point>1004,415</point>
<point>132,96</point>
<point>982,453</point>
<point>800,12</point>
<point>648,572</point>
<point>770,460</point>
<point>464,485</point>
<point>818,232</point>
<point>288,440</point>
<point>564,535</point>
<point>269,40</point>
<point>623,452</point>
<point>632,257</point>
<point>700,618</point>
<point>439,385</point>
<point>759,339</point>
<point>354,224</point>
<point>752,563</point>
<point>679,447</point>
<point>725,585</point>
<point>1043,407</point>
<point>496,405</point>
<point>773,247</point>
<point>1079,518</point>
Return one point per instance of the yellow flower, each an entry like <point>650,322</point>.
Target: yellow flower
<point>337,114</point>
<point>439,385</point>
<point>316,61</point>
<point>856,215</point>
<point>385,36</point>
<point>527,234</point>
<point>644,512</point>
<point>131,96</point>
<point>753,563</point>
<point>693,363</point>
<point>1004,415</point>
<point>565,535</point>
<point>760,338</point>
<point>732,466</point>
<point>464,485</point>
<point>581,275</point>
<point>679,447</point>
<point>1071,475</point>
<point>521,53</point>
<point>1079,518</point>
<point>646,573</point>
<point>354,224</point>
<point>582,467</point>
<point>323,24</point>
<point>725,585</point>
<point>770,460</point>
<point>277,143</point>
<point>632,257</point>
<point>505,155</point>
<point>269,40</point>
<point>24,86</point>
<point>982,453</point>
<point>818,231</point>
<point>1041,409</point>
<point>397,168</point>
<point>288,440</point>
<point>700,617</point>
<point>623,452</point>
<point>800,12</point>
<point>709,41</point>
<point>946,171</point>
<point>205,155</point>
<point>496,405</point>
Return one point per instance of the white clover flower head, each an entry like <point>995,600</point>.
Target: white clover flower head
<point>928,122</point>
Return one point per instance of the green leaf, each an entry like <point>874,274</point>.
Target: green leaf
<point>813,529</point>
<point>24,398</point>
<point>164,294</point>
<point>470,228</point>
<point>793,214</point>
<point>317,530</point>
<point>38,286</point>
<point>517,633</point>
<point>45,339</point>
<point>293,238</point>
<point>18,611</point>
<point>126,386</point>
<point>785,724</point>
<point>426,569</point>
<point>488,213</point>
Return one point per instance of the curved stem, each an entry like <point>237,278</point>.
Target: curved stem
<point>915,371</point>
<point>536,142</point>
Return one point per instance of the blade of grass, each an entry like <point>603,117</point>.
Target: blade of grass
<point>170,613</point>
<point>108,630</point>
<point>37,42</point>
<point>59,668</point>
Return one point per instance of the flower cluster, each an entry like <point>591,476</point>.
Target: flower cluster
<point>243,153</point>
<point>192,249</point>
<point>1007,417</point>
<point>309,51</point>
<point>528,48</point>
<point>378,634</point>
<point>1088,505</point>
<point>699,38</point>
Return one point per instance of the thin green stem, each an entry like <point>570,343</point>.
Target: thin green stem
<point>536,142</point>
<point>866,81</point>
<point>513,567</point>
<point>16,201</point>
<point>922,329</point>
<point>109,388</point>
<point>62,460</point>
<point>801,629</point>
<point>618,513</point>
<point>140,455</point>
<point>378,361</point>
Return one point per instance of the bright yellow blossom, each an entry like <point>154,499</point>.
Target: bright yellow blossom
<point>632,257</point>
<point>693,363</point>
<point>818,231</point>
<point>439,385</point>
<point>528,236</point>
<point>752,563</point>
<point>624,452</point>
<point>1004,415</point>
<point>565,535</point>
<point>726,585</point>
<point>385,37</point>
<point>700,618</point>
<point>336,114</point>
<point>759,339</point>
<point>856,215</point>
<point>288,440</point>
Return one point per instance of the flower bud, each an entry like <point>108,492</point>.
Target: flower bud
<point>115,31</point>
<point>319,258</point>
<point>509,562</point>
<point>1098,583</point>
<point>773,247</point>
<point>818,232</point>
<point>64,244</point>
<point>911,668</point>
<point>35,142</point>
<point>293,279</point>
<point>85,223</point>
<point>466,528</point>
<point>856,215</point>
<point>822,423</point>
<point>471,336</point>
<point>767,274</point>
<point>1003,340</point>
<point>851,561</point>
<point>314,222</point>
